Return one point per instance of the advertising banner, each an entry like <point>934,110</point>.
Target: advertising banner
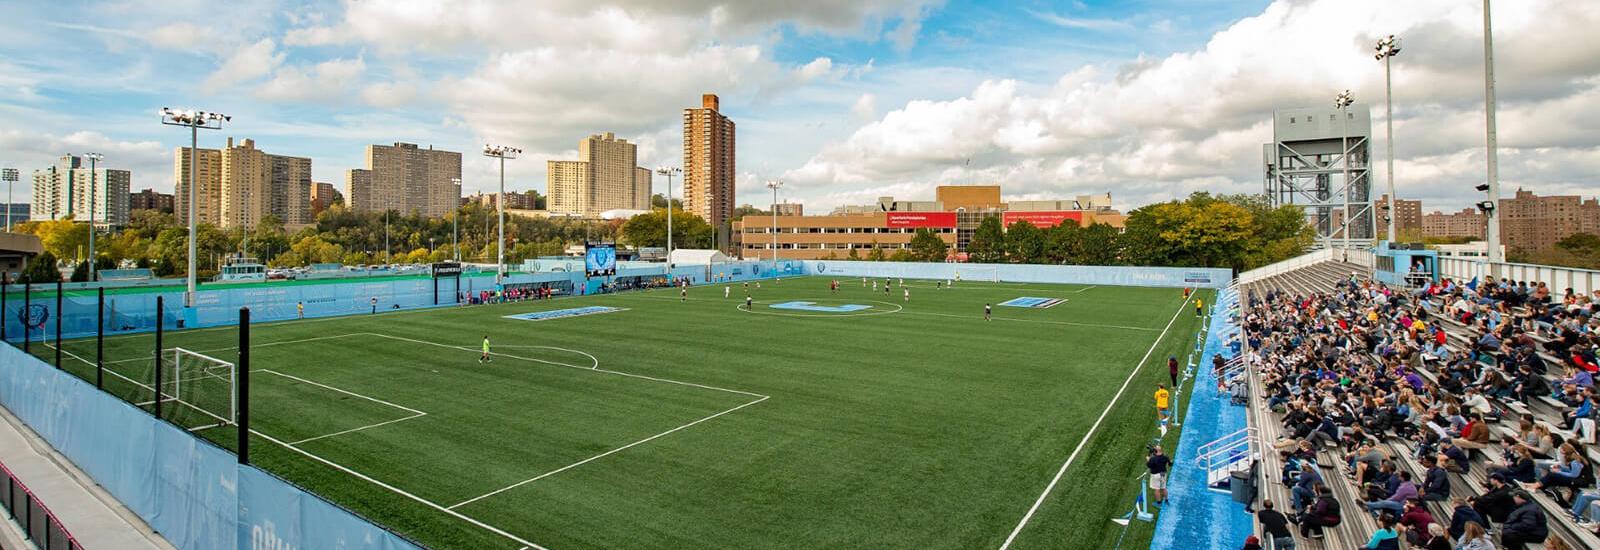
<point>922,219</point>
<point>1049,218</point>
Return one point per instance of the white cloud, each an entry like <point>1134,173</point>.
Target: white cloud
<point>1081,23</point>
<point>181,35</point>
<point>1197,119</point>
<point>327,80</point>
<point>865,108</point>
<point>247,63</point>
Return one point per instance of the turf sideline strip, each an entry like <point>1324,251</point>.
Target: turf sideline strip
<point>1074,456</point>
<point>1046,321</point>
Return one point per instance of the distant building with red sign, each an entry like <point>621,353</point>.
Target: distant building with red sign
<point>889,225</point>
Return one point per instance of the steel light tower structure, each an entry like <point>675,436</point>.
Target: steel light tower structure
<point>669,172</point>
<point>195,121</point>
<point>1310,150</point>
<point>455,223</point>
<point>1490,205</point>
<point>10,177</point>
<point>94,164</point>
<point>1386,49</point>
<point>1343,102</point>
<point>774,185</point>
<point>501,152</point>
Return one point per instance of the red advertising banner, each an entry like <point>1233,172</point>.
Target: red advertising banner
<point>1042,219</point>
<point>922,219</point>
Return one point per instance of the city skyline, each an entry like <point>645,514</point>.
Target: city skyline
<point>844,103</point>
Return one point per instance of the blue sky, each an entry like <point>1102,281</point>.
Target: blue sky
<point>844,100</point>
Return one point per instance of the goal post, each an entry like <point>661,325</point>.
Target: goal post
<point>201,385</point>
<point>988,274</point>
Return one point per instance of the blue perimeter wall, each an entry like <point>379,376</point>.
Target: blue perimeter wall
<point>1195,517</point>
<point>191,492</point>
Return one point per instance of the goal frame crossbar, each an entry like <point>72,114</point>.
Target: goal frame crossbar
<point>173,359</point>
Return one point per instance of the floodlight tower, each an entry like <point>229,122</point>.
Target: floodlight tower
<point>455,223</point>
<point>94,163</point>
<point>195,121</point>
<point>774,185</point>
<point>669,172</point>
<point>1343,102</point>
<point>1386,49</point>
<point>10,177</point>
<point>1492,187</point>
<point>501,152</point>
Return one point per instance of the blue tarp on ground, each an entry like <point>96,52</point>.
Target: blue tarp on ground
<point>1195,517</point>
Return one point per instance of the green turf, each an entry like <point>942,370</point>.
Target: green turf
<point>910,424</point>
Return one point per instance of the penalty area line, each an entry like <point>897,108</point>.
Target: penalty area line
<point>1092,428</point>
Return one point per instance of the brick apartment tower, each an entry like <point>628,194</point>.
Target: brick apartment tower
<point>708,165</point>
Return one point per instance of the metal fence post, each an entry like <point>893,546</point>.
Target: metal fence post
<point>100,339</point>
<point>27,313</point>
<point>58,324</point>
<point>5,281</point>
<point>242,385</point>
<point>157,386</point>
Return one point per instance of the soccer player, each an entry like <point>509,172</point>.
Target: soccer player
<point>1198,305</point>
<point>300,309</point>
<point>885,287</point>
<point>485,357</point>
<point>1163,402</point>
<point>683,294</point>
<point>986,311</point>
<point>874,285</point>
<point>747,306</point>
<point>908,293</point>
<point>374,305</point>
<point>938,285</point>
<point>1172,369</point>
<point>726,289</point>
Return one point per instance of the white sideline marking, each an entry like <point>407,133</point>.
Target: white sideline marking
<point>1070,323</point>
<point>252,345</point>
<point>597,457</point>
<point>398,491</point>
<point>1090,433</point>
<point>414,413</point>
<point>592,358</point>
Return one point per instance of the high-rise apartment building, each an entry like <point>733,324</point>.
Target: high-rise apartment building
<point>207,182</point>
<point>708,165</point>
<point>405,178</point>
<point>323,195</point>
<point>241,185</point>
<point>1407,216</point>
<point>1466,223</point>
<point>149,199</point>
<point>1530,222</point>
<point>67,188</point>
<point>605,178</point>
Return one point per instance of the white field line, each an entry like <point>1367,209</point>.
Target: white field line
<point>152,391</point>
<point>592,359</point>
<point>252,346</point>
<point>618,373</point>
<point>398,491</point>
<point>598,456</point>
<point>1090,434</point>
<point>414,413</point>
<point>1046,321</point>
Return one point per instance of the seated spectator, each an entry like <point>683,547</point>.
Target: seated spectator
<point>1475,537</point>
<point>1516,462</point>
<point>1323,513</point>
<point>1496,504</point>
<point>1274,527</point>
<point>1251,543</point>
<point>1565,473</point>
<point>1526,524</point>
<point>1437,538</point>
<point>1416,520</point>
<point>1386,537</point>
<point>1436,486</point>
<point>1461,516</point>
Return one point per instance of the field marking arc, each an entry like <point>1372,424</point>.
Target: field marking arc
<point>414,413</point>
<point>1092,428</point>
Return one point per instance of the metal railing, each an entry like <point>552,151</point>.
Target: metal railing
<point>1224,455</point>
<point>1581,281</point>
<point>1290,264</point>
<point>38,523</point>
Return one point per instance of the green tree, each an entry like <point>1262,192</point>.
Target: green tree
<point>876,255</point>
<point>80,272</point>
<point>853,255</point>
<point>1099,245</point>
<point>1025,243</point>
<point>1580,243</point>
<point>650,230</point>
<point>988,242</point>
<point>42,269</point>
<point>1064,243</point>
<point>926,246</point>
<point>902,255</point>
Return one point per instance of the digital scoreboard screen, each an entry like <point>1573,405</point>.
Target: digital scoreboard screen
<point>600,259</point>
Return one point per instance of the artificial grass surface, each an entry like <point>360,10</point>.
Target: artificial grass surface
<point>910,424</point>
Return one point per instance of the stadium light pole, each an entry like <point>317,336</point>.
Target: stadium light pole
<point>1343,102</point>
<point>1386,50</point>
<point>1492,211</point>
<point>194,120</point>
<point>774,185</point>
<point>455,223</point>
<point>94,165</point>
<point>501,152</point>
<point>10,176</point>
<point>669,172</point>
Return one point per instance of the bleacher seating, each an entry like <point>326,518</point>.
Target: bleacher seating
<point>1335,302</point>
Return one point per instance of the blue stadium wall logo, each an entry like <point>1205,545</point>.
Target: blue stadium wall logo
<point>1196,277</point>
<point>821,267</point>
<point>34,315</point>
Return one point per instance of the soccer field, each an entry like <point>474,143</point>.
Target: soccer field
<point>855,419</point>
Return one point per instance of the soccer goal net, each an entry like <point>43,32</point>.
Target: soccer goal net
<point>974,273</point>
<point>201,386</point>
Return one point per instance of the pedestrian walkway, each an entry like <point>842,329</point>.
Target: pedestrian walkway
<point>86,510</point>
